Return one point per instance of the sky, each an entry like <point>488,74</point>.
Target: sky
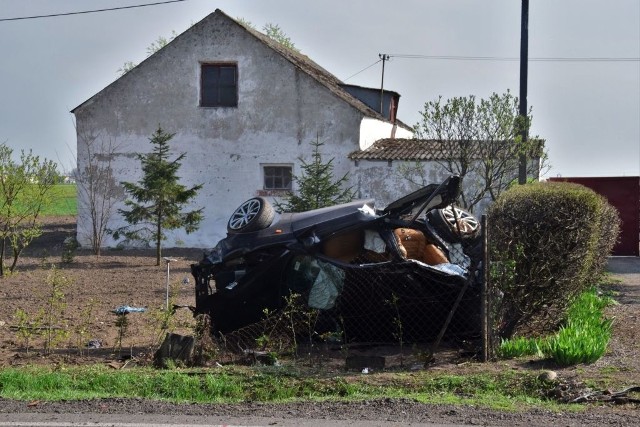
<point>583,73</point>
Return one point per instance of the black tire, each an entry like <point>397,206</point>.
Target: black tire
<point>455,225</point>
<point>254,214</point>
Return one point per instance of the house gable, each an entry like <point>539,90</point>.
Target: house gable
<point>218,22</point>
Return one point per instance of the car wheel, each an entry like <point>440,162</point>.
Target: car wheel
<point>455,224</point>
<point>254,214</point>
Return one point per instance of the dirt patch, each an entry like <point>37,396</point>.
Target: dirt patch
<point>117,278</point>
<point>97,285</point>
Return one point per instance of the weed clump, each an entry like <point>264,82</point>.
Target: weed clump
<point>583,337</point>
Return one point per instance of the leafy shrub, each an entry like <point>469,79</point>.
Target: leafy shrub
<point>69,247</point>
<point>549,242</point>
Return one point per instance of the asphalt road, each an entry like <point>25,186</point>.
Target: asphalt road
<point>623,265</point>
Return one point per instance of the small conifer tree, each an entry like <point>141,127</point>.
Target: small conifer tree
<point>316,185</point>
<point>156,201</point>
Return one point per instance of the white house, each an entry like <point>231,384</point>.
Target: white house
<point>243,108</point>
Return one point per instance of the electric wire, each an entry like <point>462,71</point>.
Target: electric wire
<point>504,58</point>
<point>363,70</point>
<point>499,59</point>
<point>91,11</point>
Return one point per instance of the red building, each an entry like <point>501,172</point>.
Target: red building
<point>624,194</point>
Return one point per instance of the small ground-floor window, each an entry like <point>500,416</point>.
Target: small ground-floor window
<point>277,177</point>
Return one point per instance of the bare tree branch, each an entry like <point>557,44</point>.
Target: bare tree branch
<point>97,187</point>
<point>479,141</point>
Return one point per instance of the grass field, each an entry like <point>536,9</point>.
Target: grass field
<point>65,201</point>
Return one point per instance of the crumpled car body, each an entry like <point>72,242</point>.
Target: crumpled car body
<point>357,265</point>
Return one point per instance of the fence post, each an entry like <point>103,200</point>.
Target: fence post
<point>484,300</point>
<point>168,261</point>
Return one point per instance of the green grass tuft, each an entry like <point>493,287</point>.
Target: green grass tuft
<point>583,338</point>
<point>520,346</point>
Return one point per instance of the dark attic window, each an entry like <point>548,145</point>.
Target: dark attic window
<point>219,85</point>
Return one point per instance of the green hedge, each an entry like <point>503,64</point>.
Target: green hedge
<point>549,242</point>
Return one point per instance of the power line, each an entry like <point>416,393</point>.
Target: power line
<point>504,58</point>
<point>364,69</point>
<point>498,59</point>
<point>91,11</point>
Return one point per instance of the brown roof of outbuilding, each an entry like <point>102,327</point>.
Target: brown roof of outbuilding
<point>418,150</point>
<point>402,149</point>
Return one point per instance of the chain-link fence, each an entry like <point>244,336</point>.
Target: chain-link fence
<point>430,297</point>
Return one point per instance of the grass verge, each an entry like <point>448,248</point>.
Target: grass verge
<point>505,391</point>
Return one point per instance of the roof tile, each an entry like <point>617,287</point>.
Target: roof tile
<point>411,149</point>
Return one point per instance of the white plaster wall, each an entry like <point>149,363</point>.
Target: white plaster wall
<point>372,130</point>
<point>388,181</point>
<point>385,182</point>
<point>280,110</point>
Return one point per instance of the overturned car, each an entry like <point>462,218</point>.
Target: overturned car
<point>369,274</point>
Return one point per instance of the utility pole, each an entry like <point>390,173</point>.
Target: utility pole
<point>524,59</point>
<point>384,57</point>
